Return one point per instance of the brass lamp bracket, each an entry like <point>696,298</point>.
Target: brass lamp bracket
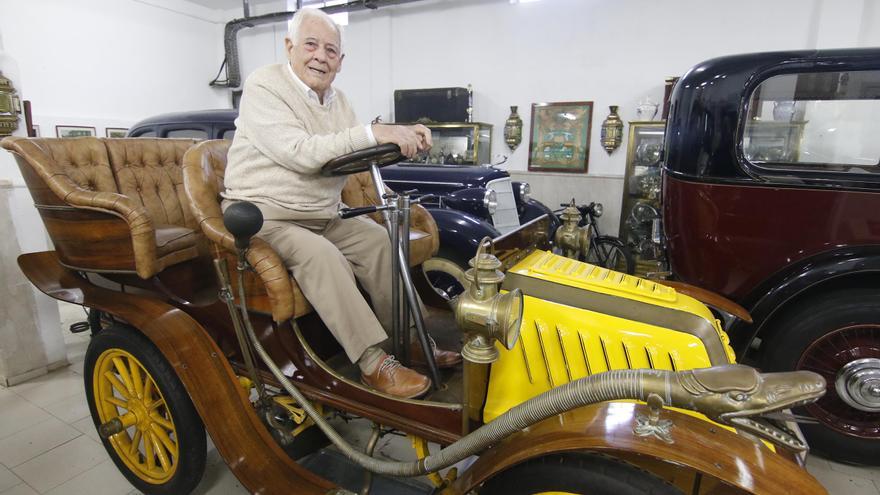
<point>651,425</point>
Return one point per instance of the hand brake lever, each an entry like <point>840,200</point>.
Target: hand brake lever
<point>354,212</point>
<point>424,197</point>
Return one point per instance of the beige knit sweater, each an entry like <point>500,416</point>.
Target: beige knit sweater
<point>281,141</point>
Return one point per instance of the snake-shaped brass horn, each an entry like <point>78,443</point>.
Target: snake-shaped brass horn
<point>738,396</point>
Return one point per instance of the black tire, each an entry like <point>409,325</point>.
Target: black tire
<point>187,429</point>
<point>805,337</point>
<point>611,252</point>
<point>591,474</point>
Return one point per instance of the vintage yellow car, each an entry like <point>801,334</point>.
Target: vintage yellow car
<point>577,379</point>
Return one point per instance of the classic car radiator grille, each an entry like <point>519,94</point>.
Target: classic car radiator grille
<point>559,344</point>
<point>506,218</point>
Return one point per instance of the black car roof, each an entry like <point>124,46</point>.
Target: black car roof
<point>705,108</point>
<point>196,116</point>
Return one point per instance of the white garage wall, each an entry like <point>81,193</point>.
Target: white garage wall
<point>100,63</point>
<point>608,52</point>
<point>110,63</point>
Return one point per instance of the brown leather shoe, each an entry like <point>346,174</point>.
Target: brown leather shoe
<point>444,359</point>
<point>395,379</point>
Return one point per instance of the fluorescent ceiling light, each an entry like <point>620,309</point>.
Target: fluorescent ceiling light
<point>340,18</point>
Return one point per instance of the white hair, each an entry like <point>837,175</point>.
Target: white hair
<point>302,14</point>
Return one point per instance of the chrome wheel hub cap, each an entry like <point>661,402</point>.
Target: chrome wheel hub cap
<point>858,384</point>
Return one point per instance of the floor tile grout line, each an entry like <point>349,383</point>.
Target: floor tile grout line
<point>23,482</point>
<point>43,407</point>
<point>65,481</point>
<point>81,434</point>
<point>58,401</point>
<point>51,417</point>
<point>96,466</point>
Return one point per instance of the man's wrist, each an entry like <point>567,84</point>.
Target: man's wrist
<point>370,137</point>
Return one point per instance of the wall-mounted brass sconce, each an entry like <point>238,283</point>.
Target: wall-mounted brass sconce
<point>612,131</point>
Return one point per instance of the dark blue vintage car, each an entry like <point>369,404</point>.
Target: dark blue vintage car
<point>469,203</point>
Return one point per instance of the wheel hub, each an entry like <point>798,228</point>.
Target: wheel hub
<point>858,384</point>
<point>142,414</point>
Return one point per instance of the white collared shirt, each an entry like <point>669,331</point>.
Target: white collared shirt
<point>329,96</point>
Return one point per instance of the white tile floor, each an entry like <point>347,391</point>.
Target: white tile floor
<point>48,444</point>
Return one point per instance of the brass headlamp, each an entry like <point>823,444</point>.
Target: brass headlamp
<point>485,315</point>
<point>570,238</point>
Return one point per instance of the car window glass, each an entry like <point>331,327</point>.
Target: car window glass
<point>144,134</point>
<point>823,121</point>
<point>188,133</point>
<point>228,134</point>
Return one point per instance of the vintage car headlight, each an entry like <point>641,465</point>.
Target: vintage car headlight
<point>524,191</point>
<point>490,201</point>
<point>476,201</point>
<point>597,210</point>
<point>483,313</point>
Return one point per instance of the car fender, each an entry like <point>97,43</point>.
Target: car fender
<point>532,209</point>
<point>785,286</point>
<point>460,233</point>
<point>240,438</point>
<point>698,446</point>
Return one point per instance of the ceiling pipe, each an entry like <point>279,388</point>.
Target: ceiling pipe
<point>230,35</point>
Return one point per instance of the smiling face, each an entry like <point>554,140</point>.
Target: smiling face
<point>315,53</point>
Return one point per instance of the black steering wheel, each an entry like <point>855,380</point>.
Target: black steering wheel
<point>360,160</point>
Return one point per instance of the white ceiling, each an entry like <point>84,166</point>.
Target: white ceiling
<point>227,4</point>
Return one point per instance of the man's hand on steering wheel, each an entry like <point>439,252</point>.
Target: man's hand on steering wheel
<point>411,138</point>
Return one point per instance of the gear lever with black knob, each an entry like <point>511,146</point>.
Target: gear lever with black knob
<point>243,219</point>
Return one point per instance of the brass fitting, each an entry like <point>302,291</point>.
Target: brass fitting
<point>10,107</point>
<point>482,313</point>
<point>571,239</point>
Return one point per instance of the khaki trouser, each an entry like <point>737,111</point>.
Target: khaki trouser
<point>326,258</point>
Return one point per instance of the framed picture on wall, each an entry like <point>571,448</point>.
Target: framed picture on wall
<point>115,132</point>
<point>560,136</point>
<point>36,129</point>
<point>71,131</point>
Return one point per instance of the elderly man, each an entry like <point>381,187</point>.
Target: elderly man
<point>290,123</point>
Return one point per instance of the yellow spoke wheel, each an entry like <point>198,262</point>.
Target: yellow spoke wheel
<point>159,440</point>
<point>576,474</point>
<point>125,390</point>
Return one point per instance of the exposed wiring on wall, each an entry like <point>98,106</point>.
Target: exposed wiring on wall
<point>217,81</point>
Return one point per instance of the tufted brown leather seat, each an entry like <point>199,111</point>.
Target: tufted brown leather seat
<point>275,291</point>
<point>110,204</point>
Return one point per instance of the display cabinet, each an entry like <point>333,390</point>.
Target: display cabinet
<point>641,193</point>
<point>773,141</point>
<point>459,143</point>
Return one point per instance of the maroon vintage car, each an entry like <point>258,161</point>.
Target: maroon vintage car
<point>771,196</point>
